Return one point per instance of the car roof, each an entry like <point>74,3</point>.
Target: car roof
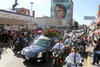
<point>44,37</point>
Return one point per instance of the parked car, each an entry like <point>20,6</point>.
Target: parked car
<point>39,50</point>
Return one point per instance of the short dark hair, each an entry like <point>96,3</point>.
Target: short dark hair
<point>63,8</point>
<point>76,49</point>
<point>60,39</point>
<point>99,39</point>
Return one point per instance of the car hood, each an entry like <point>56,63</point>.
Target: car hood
<point>35,48</point>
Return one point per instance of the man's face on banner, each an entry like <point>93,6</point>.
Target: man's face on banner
<point>60,11</point>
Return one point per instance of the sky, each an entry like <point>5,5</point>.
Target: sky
<point>42,8</point>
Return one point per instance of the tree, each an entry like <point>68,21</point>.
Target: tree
<point>76,25</point>
<point>72,27</point>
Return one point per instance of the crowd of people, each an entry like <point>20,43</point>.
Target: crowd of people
<point>81,42</point>
<point>24,38</point>
<point>96,51</point>
<point>7,36</point>
<point>17,40</point>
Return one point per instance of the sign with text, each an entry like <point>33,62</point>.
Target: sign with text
<point>89,18</point>
<point>61,0</point>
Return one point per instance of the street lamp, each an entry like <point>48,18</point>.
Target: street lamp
<point>31,12</point>
<point>31,6</point>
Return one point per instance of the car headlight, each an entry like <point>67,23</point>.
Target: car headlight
<point>39,55</point>
<point>22,52</point>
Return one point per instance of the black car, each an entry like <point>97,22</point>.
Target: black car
<point>39,50</point>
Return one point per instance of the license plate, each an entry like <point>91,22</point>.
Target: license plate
<point>27,57</point>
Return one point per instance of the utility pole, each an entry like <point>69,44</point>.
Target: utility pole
<point>31,7</point>
<point>31,13</point>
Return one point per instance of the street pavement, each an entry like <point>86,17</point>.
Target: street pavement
<point>90,58</point>
<point>9,60</point>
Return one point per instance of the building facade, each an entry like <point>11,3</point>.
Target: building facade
<point>93,25</point>
<point>12,20</point>
<point>47,22</point>
<point>98,20</point>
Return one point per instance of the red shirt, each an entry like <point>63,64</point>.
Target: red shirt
<point>86,37</point>
<point>20,36</point>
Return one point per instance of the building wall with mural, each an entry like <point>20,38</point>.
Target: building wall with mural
<point>62,11</point>
<point>98,20</point>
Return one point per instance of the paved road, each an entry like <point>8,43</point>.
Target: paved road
<point>9,60</point>
<point>89,62</point>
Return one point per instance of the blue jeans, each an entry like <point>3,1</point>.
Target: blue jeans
<point>95,58</point>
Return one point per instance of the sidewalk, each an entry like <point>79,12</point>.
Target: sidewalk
<point>9,60</point>
<point>90,58</point>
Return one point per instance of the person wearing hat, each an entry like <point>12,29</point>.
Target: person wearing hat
<point>73,58</point>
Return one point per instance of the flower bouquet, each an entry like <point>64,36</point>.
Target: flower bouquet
<point>51,33</point>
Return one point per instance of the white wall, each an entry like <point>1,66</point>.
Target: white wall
<point>41,22</point>
<point>12,15</point>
